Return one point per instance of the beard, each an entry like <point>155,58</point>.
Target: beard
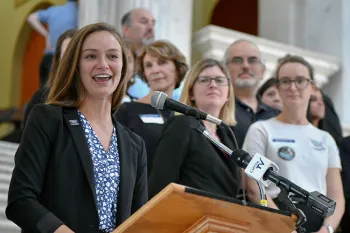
<point>147,41</point>
<point>246,83</point>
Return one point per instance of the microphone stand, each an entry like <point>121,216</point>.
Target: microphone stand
<point>263,197</point>
<point>201,129</point>
<point>283,195</point>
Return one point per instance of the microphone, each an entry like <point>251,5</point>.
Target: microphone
<point>264,170</point>
<point>160,100</point>
<point>315,200</point>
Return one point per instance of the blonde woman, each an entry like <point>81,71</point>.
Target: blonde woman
<point>183,155</point>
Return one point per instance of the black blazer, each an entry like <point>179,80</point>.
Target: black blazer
<point>39,97</point>
<point>344,152</point>
<point>186,157</point>
<point>53,181</point>
<point>129,114</point>
<point>331,122</point>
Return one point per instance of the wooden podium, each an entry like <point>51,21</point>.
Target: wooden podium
<point>182,209</point>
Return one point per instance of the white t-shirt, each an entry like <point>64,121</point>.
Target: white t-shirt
<point>303,153</point>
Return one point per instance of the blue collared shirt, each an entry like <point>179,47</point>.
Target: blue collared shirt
<point>59,19</point>
<point>140,89</point>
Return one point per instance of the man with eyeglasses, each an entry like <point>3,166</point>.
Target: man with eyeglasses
<point>243,62</point>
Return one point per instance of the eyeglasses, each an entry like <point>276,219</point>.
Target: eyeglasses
<point>205,81</point>
<point>250,60</point>
<point>300,83</point>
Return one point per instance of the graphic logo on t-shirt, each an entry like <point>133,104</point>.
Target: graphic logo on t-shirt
<point>318,145</point>
<point>286,153</point>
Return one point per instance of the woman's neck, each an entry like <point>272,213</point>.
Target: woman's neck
<point>211,127</point>
<point>215,112</point>
<point>98,110</point>
<point>169,92</point>
<point>148,97</point>
<point>316,122</point>
<point>293,116</point>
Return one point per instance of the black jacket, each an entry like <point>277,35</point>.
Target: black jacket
<point>129,114</point>
<point>186,157</point>
<point>344,151</point>
<point>53,181</point>
<point>39,97</point>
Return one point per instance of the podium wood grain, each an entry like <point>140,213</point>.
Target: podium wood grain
<point>173,210</point>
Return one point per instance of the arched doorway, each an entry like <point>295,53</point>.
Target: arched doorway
<point>30,69</point>
<point>32,53</point>
<point>238,15</point>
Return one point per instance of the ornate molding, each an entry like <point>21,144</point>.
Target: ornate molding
<point>212,41</point>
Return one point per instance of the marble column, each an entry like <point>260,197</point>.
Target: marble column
<point>173,18</point>
<point>282,29</point>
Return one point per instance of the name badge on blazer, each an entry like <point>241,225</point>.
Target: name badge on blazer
<point>152,118</point>
<point>73,122</point>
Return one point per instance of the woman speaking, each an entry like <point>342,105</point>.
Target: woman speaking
<point>77,169</point>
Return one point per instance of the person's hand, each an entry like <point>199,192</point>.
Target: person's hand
<point>48,44</point>
<point>63,229</point>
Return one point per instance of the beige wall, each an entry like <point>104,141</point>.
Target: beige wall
<point>14,37</point>
<point>13,40</point>
<point>202,11</point>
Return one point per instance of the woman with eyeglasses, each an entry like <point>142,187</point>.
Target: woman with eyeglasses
<point>183,155</point>
<point>304,154</point>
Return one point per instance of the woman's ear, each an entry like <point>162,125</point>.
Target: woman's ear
<point>190,93</point>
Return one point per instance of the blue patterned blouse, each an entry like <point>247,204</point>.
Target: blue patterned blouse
<point>106,174</point>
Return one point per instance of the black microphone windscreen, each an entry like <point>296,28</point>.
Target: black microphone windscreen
<point>241,157</point>
<point>158,99</point>
<point>239,153</point>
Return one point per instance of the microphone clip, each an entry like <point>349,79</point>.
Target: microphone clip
<point>283,198</point>
<point>258,166</point>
